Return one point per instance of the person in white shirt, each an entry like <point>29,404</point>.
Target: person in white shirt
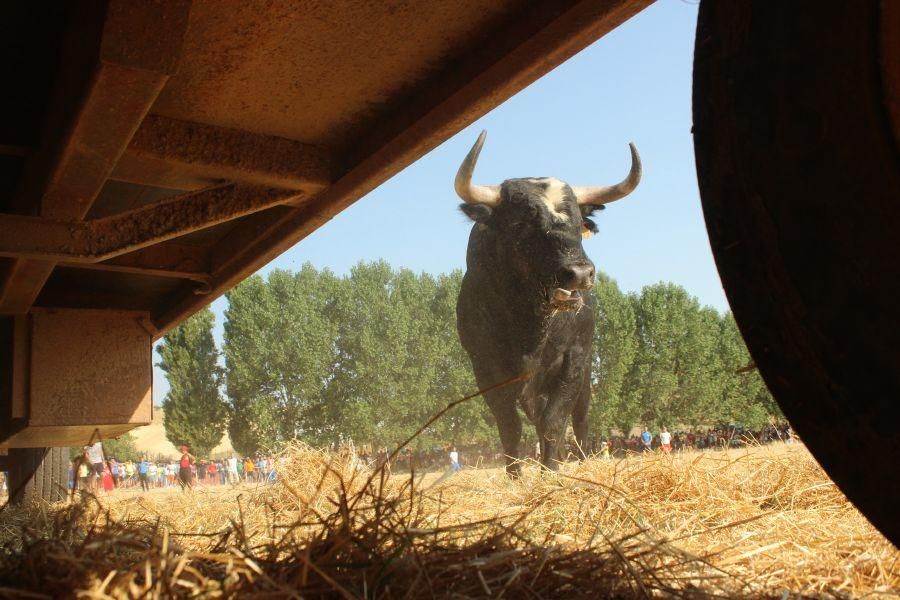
<point>665,441</point>
<point>93,454</point>
<point>232,469</point>
<point>454,460</point>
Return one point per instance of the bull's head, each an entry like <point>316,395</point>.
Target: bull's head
<point>532,228</point>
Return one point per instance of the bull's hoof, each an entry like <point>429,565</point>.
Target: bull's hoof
<point>551,466</point>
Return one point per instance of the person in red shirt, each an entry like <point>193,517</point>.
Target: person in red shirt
<point>211,472</point>
<point>107,478</point>
<point>185,476</point>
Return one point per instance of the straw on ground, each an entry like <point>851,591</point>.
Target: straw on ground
<point>755,522</point>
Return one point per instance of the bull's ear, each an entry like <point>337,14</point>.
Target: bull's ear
<point>477,212</point>
<point>588,209</point>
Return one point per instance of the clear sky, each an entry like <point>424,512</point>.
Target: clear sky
<point>574,124</point>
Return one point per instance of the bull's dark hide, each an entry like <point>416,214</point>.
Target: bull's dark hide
<point>508,321</point>
<point>524,306</point>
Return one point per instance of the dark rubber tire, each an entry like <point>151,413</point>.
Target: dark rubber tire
<point>799,176</point>
<point>38,474</point>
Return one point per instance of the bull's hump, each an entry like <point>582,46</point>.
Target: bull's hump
<point>554,196</point>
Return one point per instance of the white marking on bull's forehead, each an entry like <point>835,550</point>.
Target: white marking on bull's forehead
<point>554,196</point>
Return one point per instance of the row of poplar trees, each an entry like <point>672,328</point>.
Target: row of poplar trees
<point>373,355</point>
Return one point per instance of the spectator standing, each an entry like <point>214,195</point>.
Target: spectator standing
<point>604,451</point>
<point>143,473</point>
<point>115,472</point>
<point>152,472</point>
<point>83,475</point>
<point>93,454</point>
<point>270,468</point>
<point>232,468</point>
<point>107,478</point>
<point>185,474</point>
<point>665,441</point>
<point>454,459</point>
<point>647,439</point>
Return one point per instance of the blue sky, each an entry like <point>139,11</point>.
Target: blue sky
<point>574,124</point>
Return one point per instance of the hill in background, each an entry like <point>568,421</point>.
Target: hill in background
<point>152,439</point>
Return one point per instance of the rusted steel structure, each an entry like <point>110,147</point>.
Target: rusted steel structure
<point>159,152</point>
<point>153,154</point>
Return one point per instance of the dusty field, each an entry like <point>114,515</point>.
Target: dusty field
<point>763,522</point>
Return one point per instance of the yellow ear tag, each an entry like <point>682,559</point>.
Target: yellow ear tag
<point>585,232</point>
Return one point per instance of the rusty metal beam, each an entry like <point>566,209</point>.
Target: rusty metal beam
<point>102,239</point>
<point>178,154</point>
<point>547,34</point>
<point>168,259</point>
<point>243,238</point>
<point>64,290</point>
<point>21,280</point>
<point>118,57</point>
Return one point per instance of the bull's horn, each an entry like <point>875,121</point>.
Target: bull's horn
<point>597,195</point>
<point>489,195</point>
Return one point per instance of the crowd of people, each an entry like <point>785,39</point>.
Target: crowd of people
<point>618,446</point>
<point>94,471</point>
<point>664,441</point>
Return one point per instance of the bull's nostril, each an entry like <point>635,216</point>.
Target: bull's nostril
<point>566,276</point>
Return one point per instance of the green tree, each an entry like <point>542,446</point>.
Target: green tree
<point>121,448</point>
<point>194,411</point>
<point>373,355</point>
<point>374,391</point>
<point>252,421</point>
<point>615,346</point>
<point>470,422</point>
<point>399,360</point>
<point>744,397</point>
<point>674,376</point>
<point>279,354</point>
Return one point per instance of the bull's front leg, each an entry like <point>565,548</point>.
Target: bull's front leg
<point>552,434</point>
<point>580,415</point>
<point>509,425</point>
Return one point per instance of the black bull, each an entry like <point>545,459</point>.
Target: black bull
<point>524,306</point>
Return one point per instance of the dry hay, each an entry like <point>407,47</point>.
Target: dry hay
<point>762,522</point>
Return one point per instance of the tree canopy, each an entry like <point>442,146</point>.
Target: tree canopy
<point>195,414</point>
<point>371,356</point>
